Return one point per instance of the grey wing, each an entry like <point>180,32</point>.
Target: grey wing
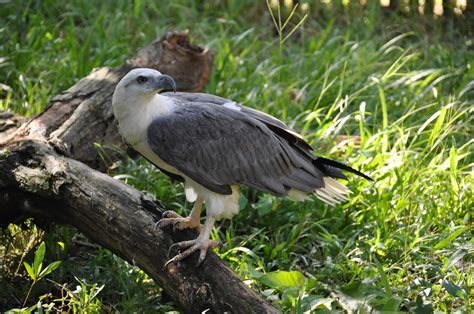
<point>328,167</point>
<point>273,123</point>
<point>218,147</point>
<point>213,99</point>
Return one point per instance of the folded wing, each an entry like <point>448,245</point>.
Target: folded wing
<point>218,147</point>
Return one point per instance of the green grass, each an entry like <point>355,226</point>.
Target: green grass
<point>392,96</point>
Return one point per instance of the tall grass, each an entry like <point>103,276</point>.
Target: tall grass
<point>385,98</point>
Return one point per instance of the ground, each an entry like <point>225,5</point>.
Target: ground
<point>390,94</point>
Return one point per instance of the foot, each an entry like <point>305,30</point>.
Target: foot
<point>178,222</point>
<point>200,244</point>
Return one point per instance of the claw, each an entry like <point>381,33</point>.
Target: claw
<point>202,256</point>
<point>203,245</point>
<point>177,222</point>
<point>180,245</point>
<point>203,253</point>
<point>170,214</point>
<point>164,222</point>
<point>171,248</point>
<point>167,218</point>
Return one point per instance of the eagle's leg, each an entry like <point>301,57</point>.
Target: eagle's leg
<point>201,243</point>
<point>178,222</point>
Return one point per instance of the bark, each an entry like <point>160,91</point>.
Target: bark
<point>48,171</point>
<point>9,122</point>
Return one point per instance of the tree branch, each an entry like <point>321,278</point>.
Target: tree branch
<point>46,173</point>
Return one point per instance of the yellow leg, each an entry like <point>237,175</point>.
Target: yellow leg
<point>178,222</point>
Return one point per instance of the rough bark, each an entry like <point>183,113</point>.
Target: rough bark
<point>9,122</point>
<point>47,172</point>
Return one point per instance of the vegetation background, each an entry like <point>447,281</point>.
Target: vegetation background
<point>388,90</point>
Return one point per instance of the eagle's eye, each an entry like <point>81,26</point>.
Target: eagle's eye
<point>142,79</point>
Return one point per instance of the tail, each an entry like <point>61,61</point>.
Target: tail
<point>333,168</point>
<point>334,192</point>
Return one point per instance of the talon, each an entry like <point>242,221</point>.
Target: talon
<point>171,248</point>
<point>202,256</point>
<point>179,223</point>
<point>176,223</point>
<point>164,222</point>
<point>167,263</point>
<point>167,218</point>
<point>157,224</point>
<point>203,245</point>
<point>170,214</point>
<point>182,255</point>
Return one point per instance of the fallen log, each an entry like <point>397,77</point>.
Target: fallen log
<point>49,171</point>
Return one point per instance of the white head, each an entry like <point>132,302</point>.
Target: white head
<point>140,85</point>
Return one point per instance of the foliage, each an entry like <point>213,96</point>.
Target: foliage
<point>36,270</point>
<point>389,95</point>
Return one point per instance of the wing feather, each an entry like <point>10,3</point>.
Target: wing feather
<point>218,147</point>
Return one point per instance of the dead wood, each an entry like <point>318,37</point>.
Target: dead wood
<point>48,171</point>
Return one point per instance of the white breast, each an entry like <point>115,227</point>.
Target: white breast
<point>135,116</point>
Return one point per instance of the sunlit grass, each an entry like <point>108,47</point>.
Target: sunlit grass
<point>392,103</point>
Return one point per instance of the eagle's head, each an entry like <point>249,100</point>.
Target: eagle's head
<point>142,83</point>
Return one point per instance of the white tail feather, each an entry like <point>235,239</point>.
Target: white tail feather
<point>342,189</point>
<point>333,192</point>
<point>323,196</point>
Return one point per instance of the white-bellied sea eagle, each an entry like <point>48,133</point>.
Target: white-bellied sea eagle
<point>215,145</point>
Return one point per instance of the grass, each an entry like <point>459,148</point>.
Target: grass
<point>392,96</point>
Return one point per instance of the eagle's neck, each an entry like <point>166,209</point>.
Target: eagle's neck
<point>135,115</point>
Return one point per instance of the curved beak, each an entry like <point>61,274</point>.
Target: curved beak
<point>164,83</point>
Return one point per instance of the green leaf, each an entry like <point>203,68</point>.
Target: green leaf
<point>39,256</point>
<point>30,271</point>
<point>453,289</point>
<point>49,269</point>
<point>254,273</point>
<point>383,104</point>
<point>456,257</point>
<point>311,284</point>
<point>96,292</point>
<point>392,304</point>
<point>438,126</point>
<point>321,304</point>
<point>420,307</point>
<point>264,206</point>
<point>61,244</point>
<point>383,277</point>
<point>242,201</point>
<point>283,279</point>
<point>450,238</point>
<point>290,295</point>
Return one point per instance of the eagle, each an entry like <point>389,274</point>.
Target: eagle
<point>215,145</point>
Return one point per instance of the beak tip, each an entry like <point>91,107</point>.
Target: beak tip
<point>166,82</point>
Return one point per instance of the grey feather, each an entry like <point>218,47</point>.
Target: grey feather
<point>218,147</point>
<point>277,126</point>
